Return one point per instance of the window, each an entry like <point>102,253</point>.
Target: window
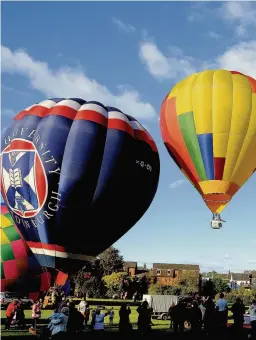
<point>169,272</point>
<point>158,272</point>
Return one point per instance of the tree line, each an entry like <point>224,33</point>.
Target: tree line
<point>105,278</point>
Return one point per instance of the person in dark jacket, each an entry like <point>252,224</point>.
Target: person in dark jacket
<point>124,322</point>
<point>238,310</point>
<point>75,320</point>
<point>195,318</point>
<point>209,316</point>
<point>144,318</point>
<point>178,317</point>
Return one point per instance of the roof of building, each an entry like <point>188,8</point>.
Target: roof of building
<point>130,264</point>
<point>240,277</point>
<point>176,266</point>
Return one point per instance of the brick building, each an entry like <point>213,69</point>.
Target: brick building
<point>169,274</point>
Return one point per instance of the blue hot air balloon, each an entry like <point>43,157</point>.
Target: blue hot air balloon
<point>76,176</point>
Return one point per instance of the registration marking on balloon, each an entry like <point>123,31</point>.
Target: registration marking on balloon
<point>25,163</point>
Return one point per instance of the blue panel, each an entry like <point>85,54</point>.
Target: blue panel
<point>206,147</point>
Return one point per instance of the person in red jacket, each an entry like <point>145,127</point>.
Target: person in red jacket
<point>10,312</point>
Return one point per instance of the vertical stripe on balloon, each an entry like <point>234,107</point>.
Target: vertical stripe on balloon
<point>206,148</point>
<point>187,126</point>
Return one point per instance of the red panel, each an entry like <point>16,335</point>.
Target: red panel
<point>119,124</point>
<point>19,249</point>
<point>45,282</point>
<point>3,285</point>
<point>236,72</point>
<point>173,139</point>
<point>219,164</point>
<point>37,110</point>
<point>10,269</point>
<point>93,116</point>
<point>253,83</point>
<point>62,110</point>
<point>61,278</point>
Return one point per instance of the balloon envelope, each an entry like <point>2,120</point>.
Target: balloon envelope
<point>76,176</point>
<point>208,125</point>
<point>20,271</point>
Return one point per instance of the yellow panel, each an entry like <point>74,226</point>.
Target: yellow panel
<point>4,239</point>
<point>241,113</point>
<point>202,102</point>
<point>221,208</point>
<point>222,101</point>
<point>184,96</point>
<point>246,162</point>
<point>173,92</point>
<point>209,187</point>
<point>5,222</point>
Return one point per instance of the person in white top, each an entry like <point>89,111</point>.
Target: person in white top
<point>82,306</point>
<point>99,320</point>
<point>252,311</point>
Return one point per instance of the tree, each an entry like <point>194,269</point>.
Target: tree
<point>94,288</point>
<point>188,282</point>
<point>158,289</point>
<point>220,285</point>
<point>115,283</point>
<point>111,261</point>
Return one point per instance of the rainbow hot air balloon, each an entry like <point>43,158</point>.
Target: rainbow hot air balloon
<point>76,176</point>
<point>208,125</point>
<point>20,271</point>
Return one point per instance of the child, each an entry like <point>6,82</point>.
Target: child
<point>111,316</point>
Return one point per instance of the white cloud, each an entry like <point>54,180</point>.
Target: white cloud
<point>176,184</point>
<point>214,35</point>
<point>241,14</point>
<point>165,67</point>
<point>251,261</point>
<point>128,28</point>
<point>240,57</point>
<point>70,82</point>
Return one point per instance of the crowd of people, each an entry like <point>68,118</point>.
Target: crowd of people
<point>201,315</point>
<point>211,317</point>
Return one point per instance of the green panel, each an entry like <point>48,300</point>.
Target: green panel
<point>188,129</point>
<point>2,271</point>
<point>6,252</point>
<point>12,233</point>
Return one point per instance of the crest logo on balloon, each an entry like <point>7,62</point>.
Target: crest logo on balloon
<point>22,172</point>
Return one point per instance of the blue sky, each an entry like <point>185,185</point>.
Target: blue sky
<point>129,55</point>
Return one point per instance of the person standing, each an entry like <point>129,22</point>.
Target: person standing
<point>10,312</point>
<point>195,318</point>
<point>82,306</point>
<point>238,310</point>
<point>178,315</point>
<point>111,316</point>
<point>124,322</point>
<point>144,318</point>
<point>58,322</point>
<point>99,320</point>
<point>36,314</point>
<point>209,316</point>
<point>252,310</point>
<point>222,312</point>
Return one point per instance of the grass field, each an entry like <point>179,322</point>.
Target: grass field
<point>158,324</point>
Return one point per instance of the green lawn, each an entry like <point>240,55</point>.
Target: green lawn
<point>158,324</point>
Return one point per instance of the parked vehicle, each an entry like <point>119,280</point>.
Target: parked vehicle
<point>7,297</point>
<point>160,305</point>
